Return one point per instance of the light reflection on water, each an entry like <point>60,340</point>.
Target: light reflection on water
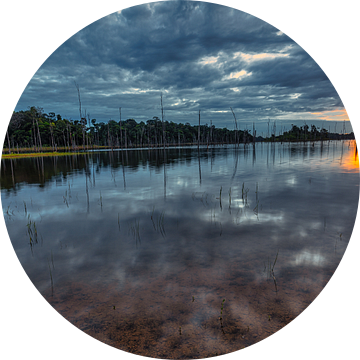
<point>173,241</point>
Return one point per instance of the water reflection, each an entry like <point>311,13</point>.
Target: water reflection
<point>262,226</point>
<point>350,160</point>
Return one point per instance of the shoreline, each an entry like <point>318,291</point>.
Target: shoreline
<point>22,152</point>
<point>31,155</point>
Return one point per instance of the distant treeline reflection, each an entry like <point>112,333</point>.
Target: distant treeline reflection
<point>42,170</point>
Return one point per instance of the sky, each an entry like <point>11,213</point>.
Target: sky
<point>199,56</point>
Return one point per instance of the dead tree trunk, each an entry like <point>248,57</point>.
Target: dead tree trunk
<point>121,142</point>
<point>52,136</point>
<point>199,131</point>
<point>162,120</point>
<point>38,132</point>
<point>34,133</point>
<point>125,139</point>
<point>78,91</point>
<point>8,139</point>
<point>236,128</point>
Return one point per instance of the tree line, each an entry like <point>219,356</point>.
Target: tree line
<point>304,133</point>
<point>309,133</point>
<point>34,129</point>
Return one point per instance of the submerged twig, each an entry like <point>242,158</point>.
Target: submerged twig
<point>158,224</point>
<point>135,230</point>
<point>270,270</point>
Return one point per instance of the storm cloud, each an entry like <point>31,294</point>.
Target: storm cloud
<point>200,56</point>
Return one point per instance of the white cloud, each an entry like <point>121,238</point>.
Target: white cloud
<point>257,57</point>
<point>209,60</point>
<point>238,75</point>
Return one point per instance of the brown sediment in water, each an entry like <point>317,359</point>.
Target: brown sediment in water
<point>163,318</point>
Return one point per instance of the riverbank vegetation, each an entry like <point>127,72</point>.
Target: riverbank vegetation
<point>34,131</point>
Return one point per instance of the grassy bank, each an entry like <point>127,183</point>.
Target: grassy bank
<point>49,149</point>
<point>38,154</point>
<point>26,152</point>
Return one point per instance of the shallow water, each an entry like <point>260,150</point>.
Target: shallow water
<point>141,256</point>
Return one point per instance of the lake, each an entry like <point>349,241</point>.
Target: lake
<point>183,252</point>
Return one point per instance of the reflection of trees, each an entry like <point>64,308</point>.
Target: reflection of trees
<point>41,170</point>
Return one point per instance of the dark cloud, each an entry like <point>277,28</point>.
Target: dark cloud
<point>200,55</point>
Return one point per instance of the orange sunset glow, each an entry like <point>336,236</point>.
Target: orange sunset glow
<point>350,162</point>
<point>333,115</point>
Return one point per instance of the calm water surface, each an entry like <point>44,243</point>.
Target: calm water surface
<point>183,253</point>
